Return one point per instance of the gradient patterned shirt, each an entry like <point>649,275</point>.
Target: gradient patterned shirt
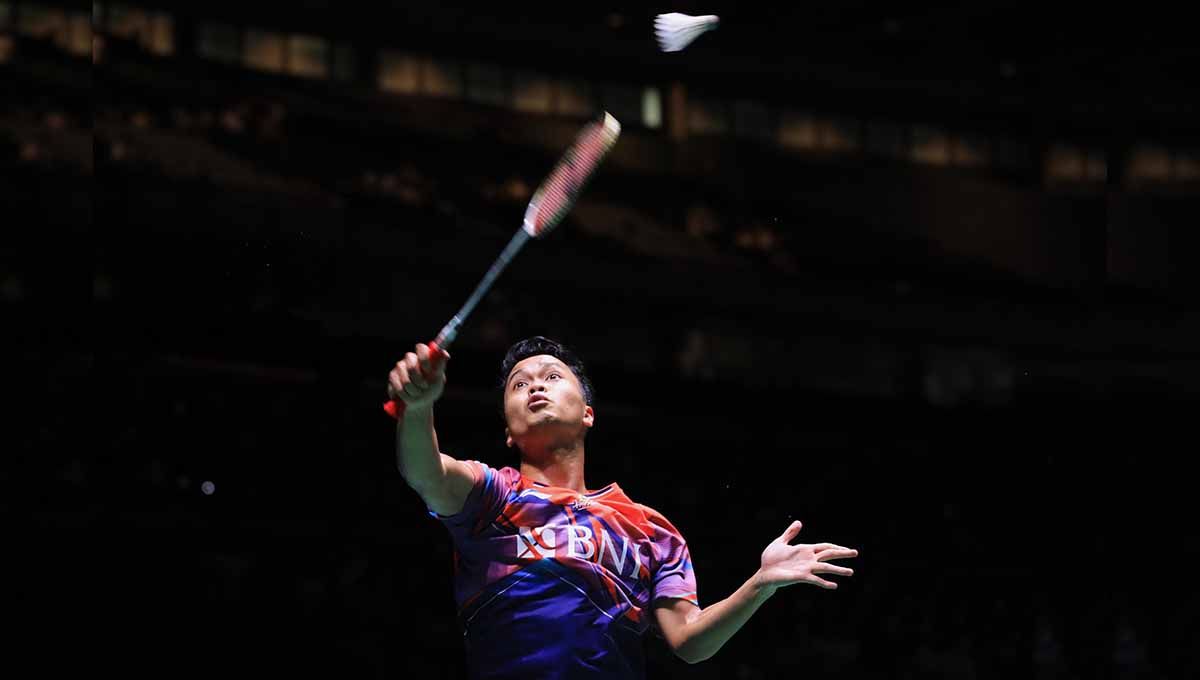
<point>554,584</point>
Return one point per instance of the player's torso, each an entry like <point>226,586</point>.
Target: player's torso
<point>546,540</point>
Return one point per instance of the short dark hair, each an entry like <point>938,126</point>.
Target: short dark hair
<point>532,347</point>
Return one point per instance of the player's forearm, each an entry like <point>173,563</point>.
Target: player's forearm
<point>417,453</point>
<point>717,623</point>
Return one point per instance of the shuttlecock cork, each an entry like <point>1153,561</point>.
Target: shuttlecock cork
<point>676,31</point>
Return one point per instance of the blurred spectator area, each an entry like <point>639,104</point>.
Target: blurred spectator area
<point>325,155</point>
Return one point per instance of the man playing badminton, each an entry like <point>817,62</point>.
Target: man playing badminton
<point>553,579</point>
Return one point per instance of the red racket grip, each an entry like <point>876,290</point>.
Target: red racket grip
<point>395,407</point>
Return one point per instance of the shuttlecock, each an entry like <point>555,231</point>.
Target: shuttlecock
<point>676,31</point>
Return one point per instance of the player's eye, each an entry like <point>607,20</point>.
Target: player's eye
<point>518,384</point>
<point>554,375</point>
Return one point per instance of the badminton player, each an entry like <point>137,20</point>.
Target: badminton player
<point>554,579</point>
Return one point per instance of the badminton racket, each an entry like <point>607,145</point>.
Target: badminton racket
<point>550,203</point>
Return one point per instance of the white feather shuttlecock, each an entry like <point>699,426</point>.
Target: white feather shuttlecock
<point>676,31</point>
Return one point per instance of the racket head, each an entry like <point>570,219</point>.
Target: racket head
<point>558,192</point>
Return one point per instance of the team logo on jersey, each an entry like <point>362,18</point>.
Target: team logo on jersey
<point>580,542</point>
<point>536,543</point>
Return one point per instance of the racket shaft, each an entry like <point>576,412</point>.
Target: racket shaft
<point>450,330</point>
<point>395,408</point>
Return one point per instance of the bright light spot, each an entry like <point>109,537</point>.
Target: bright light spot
<point>651,108</point>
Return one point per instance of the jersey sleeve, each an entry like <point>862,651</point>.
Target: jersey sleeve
<point>486,500</point>
<point>672,574</point>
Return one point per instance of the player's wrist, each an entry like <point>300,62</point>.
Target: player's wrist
<point>417,411</point>
<point>760,587</point>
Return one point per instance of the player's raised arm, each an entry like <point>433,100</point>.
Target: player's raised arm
<point>418,381</point>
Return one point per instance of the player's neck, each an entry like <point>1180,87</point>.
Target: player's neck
<point>560,467</point>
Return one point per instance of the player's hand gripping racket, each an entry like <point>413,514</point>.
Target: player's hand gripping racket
<point>550,203</point>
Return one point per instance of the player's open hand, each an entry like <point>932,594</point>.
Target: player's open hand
<point>784,564</point>
<point>419,378</point>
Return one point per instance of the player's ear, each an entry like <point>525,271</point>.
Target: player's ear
<point>589,416</point>
<point>508,438</point>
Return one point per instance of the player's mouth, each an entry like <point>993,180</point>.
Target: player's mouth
<point>537,400</point>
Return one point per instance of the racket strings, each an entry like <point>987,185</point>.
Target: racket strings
<point>560,189</point>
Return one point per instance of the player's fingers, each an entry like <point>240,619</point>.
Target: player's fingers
<point>425,357</point>
<point>832,569</point>
<point>395,387</point>
<point>790,533</point>
<point>818,547</point>
<point>836,554</point>
<point>415,376</point>
<point>818,581</point>
<point>408,390</point>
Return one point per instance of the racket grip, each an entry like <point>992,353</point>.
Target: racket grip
<point>395,407</point>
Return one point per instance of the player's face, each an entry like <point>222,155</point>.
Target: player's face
<point>543,394</point>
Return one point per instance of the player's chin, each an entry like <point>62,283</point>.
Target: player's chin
<point>544,420</point>
<point>543,417</point>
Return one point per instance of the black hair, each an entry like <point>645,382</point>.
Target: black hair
<point>532,347</point>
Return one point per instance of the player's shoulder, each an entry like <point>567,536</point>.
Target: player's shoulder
<point>620,493</point>
<point>652,514</point>
<point>505,475</point>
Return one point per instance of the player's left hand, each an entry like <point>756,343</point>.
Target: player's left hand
<point>784,564</point>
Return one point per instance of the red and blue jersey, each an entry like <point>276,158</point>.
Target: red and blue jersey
<point>551,583</point>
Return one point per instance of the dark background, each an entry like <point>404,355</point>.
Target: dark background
<point>920,277</point>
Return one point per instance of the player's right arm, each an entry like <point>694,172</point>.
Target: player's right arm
<point>440,480</point>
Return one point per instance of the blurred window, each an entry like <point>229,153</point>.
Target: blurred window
<point>441,78</point>
<point>75,36</point>
<point>532,93</point>
<point>42,22</point>
<point>1149,164</point>
<point>1070,164</point>
<point>573,97</point>
<point>264,51</point>
<point>158,36</point>
<point>797,130</point>
<point>308,56</point>
<point>398,72</point>
<point>930,146</point>
<point>652,114</point>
